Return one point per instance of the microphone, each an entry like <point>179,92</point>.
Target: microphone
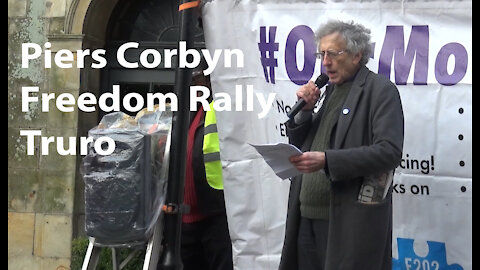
<point>320,82</point>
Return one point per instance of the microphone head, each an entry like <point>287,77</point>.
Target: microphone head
<point>321,80</point>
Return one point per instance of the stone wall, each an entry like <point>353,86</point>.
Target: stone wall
<point>40,187</point>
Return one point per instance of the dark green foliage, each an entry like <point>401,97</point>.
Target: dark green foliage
<point>79,248</point>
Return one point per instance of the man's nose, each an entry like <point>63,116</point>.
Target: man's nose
<point>326,60</point>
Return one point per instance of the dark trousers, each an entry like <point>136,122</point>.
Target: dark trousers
<point>312,244</point>
<point>206,244</point>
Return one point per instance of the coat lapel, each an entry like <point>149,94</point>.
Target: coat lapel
<point>349,107</point>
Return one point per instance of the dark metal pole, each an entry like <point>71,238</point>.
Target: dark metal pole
<point>176,174</point>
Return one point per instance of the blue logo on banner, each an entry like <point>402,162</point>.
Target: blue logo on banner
<point>435,260</point>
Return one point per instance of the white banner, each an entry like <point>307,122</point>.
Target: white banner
<point>425,47</point>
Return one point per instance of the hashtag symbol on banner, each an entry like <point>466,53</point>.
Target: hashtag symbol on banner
<point>267,52</point>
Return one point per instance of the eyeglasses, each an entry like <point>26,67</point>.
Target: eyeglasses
<point>330,53</point>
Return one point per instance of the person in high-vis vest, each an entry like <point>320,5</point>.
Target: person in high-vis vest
<point>211,150</point>
<point>205,239</point>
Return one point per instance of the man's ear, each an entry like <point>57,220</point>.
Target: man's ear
<point>357,57</point>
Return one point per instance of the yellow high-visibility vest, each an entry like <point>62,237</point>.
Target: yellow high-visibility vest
<point>211,150</point>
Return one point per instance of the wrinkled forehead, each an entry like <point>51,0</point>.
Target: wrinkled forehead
<point>332,41</point>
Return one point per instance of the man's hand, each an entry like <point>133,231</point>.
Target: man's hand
<point>310,93</point>
<point>309,162</point>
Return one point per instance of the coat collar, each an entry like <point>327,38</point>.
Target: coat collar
<point>350,105</point>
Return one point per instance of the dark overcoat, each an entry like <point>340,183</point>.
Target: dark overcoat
<point>368,140</point>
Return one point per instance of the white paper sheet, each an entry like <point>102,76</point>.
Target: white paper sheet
<point>277,155</point>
